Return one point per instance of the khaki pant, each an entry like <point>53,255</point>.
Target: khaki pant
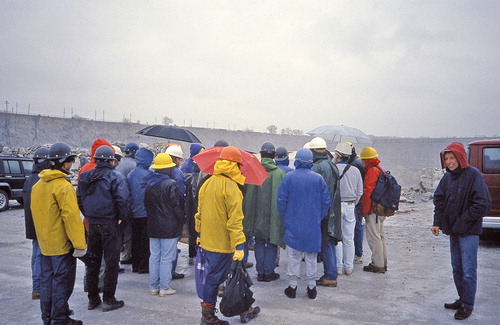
<point>375,237</point>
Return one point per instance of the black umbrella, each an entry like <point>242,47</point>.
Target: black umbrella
<point>169,132</point>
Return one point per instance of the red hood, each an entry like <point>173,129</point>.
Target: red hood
<point>97,143</point>
<point>371,162</point>
<point>459,151</point>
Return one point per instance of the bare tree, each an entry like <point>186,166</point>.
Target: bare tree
<point>166,120</point>
<point>272,129</point>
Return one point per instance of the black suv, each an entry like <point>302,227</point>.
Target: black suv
<point>13,173</point>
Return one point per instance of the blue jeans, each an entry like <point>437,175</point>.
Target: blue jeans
<point>329,257</point>
<point>174,262</point>
<point>464,263</point>
<point>163,254</point>
<point>358,233</point>
<point>265,256</point>
<point>56,286</point>
<point>36,268</point>
<point>218,268</point>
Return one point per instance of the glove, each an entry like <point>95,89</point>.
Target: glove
<point>79,252</point>
<point>238,255</point>
<point>198,241</point>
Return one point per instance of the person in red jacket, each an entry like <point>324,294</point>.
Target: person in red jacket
<point>375,235</point>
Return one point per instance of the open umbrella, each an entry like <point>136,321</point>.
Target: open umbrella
<point>169,132</point>
<point>251,167</point>
<point>338,133</point>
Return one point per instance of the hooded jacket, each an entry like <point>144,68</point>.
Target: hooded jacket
<point>28,185</point>
<point>461,199</point>
<point>284,165</point>
<point>331,227</point>
<point>56,217</point>
<point>220,215</point>
<point>187,166</point>
<point>137,180</point>
<point>103,195</point>
<point>303,202</point>
<point>127,164</point>
<point>164,205</point>
<point>370,181</point>
<point>260,206</point>
<point>91,164</point>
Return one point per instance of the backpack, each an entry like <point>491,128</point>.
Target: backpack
<point>237,296</point>
<point>385,196</point>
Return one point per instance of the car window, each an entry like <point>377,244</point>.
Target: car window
<point>491,160</point>
<point>11,167</point>
<point>28,166</point>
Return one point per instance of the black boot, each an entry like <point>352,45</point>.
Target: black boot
<point>250,314</point>
<point>94,302</point>
<point>271,277</point>
<point>71,321</point>
<point>208,316</point>
<point>290,292</point>
<point>463,313</point>
<point>454,305</point>
<point>312,293</point>
<point>112,304</point>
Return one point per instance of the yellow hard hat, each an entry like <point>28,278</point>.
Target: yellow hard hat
<point>368,153</point>
<point>162,161</point>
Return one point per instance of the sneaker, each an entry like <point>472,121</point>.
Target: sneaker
<point>168,292</point>
<point>463,313</point>
<point>112,304</point>
<point>35,295</point>
<point>372,268</point>
<point>177,276</point>
<point>271,277</point>
<point>291,292</point>
<point>248,265</point>
<point>358,259</point>
<point>312,293</point>
<point>250,314</point>
<point>260,277</point>
<point>348,272</point>
<point>339,272</point>
<point>454,305</point>
<point>71,321</point>
<point>154,292</point>
<point>326,283</point>
<point>94,303</point>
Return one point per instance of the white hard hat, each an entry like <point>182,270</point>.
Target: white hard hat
<point>118,151</point>
<point>175,151</point>
<point>318,143</point>
<point>307,145</point>
<point>343,148</point>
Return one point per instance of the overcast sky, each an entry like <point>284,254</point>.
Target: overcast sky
<point>395,68</point>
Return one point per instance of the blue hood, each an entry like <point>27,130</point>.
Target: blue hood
<point>299,165</point>
<point>144,158</point>
<point>194,149</point>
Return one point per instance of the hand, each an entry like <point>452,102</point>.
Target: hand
<point>435,230</point>
<point>238,255</point>
<point>79,252</point>
<point>198,241</point>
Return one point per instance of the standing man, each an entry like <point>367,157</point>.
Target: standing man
<point>303,202</point>
<point>219,222</point>
<point>41,162</point>
<point>194,149</point>
<point>60,234</point>
<point>358,228</point>
<point>461,200</point>
<point>375,235</point>
<point>351,189</point>
<point>331,226</point>
<point>262,218</point>
<point>282,160</point>
<point>127,164</point>
<point>137,180</point>
<point>103,199</point>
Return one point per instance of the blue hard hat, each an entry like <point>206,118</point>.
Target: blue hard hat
<point>281,154</point>
<point>131,147</point>
<point>304,156</point>
<point>41,153</point>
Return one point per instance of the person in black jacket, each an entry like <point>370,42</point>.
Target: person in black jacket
<point>41,162</point>
<point>164,205</point>
<point>461,200</point>
<point>103,198</point>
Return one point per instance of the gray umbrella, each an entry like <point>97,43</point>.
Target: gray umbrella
<point>169,132</point>
<point>340,133</point>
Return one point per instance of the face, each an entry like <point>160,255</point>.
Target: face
<point>177,161</point>
<point>67,165</point>
<point>450,161</point>
<point>114,163</point>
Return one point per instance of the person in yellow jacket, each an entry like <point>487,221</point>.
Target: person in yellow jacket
<point>60,234</point>
<point>219,223</point>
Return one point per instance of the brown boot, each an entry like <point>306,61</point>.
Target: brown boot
<point>208,316</point>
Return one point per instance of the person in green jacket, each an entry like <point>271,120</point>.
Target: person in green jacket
<point>262,218</point>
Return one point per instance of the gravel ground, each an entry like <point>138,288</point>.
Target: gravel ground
<point>413,291</point>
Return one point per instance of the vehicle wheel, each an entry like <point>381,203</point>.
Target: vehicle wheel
<point>4,201</point>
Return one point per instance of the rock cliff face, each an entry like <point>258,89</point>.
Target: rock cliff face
<point>19,130</point>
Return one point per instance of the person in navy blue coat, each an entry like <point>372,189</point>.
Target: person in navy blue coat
<point>461,200</point>
<point>303,202</point>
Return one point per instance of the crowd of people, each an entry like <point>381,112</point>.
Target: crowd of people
<point>136,204</point>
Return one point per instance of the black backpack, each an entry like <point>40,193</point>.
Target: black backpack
<point>385,196</point>
<point>237,296</point>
